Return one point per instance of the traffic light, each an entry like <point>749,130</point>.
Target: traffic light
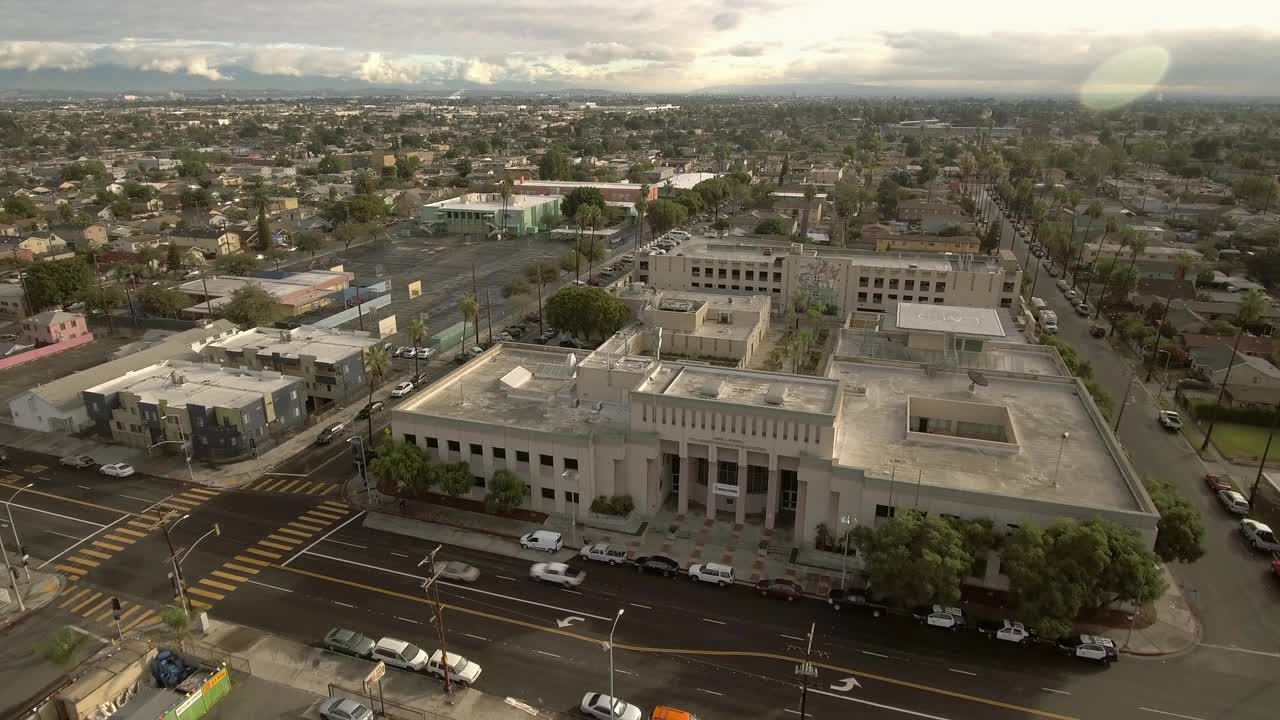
<point>115,607</point>
<point>177,593</point>
<point>25,556</point>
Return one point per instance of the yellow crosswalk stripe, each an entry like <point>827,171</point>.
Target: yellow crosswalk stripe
<point>109,546</point>
<point>264,553</point>
<point>124,616</point>
<point>105,614</point>
<point>202,493</point>
<point>325,514</point>
<point>84,561</point>
<point>320,487</point>
<point>176,504</point>
<point>215,583</point>
<point>78,594</point>
<point>205,593</point>
<point>198,604</point>
<point>289,486</point>
<point>95,553</point>
<point>333,506</point>
<point>304,488</point>
<point>191,497</point>
<point>290,531</point>
<point>144,525</point>
<point>277,546</point>
<point>93,610</point>
<point>76,609</point>
<point>271,486</point>
<point>282,539</point>
<point>139,619</point>
<point>313,528</point>
<point>229,576</point>
<point>329,489</point>
<point>72,570</point>
<point>120,539</point>
<point>127,531</point>
<point>239,568</point>
<point>253,561</point>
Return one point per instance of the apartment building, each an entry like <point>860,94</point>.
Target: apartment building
<point>844,280</point>
<point>330,362</point>
<point>223,413</point>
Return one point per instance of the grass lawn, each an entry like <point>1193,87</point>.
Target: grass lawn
<point>1244,442</point>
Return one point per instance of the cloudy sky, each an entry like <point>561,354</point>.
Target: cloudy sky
<point>994,45</point>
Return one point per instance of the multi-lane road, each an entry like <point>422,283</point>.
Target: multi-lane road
<point>296,565</point>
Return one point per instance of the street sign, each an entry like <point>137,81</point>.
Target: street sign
<point>726,490</point>
<point>375,674</point>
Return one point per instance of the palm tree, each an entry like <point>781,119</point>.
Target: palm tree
<point>541,272</point>
<point>1252,304</point>
<point>376,364</point>
<point>590,216</point>
<point>506,190</point>
<point>470,314</point>
<point>1127,236</point>
<point>642,205</point>
<point>1111,225</point>
<point>1185,263</point>
<point>1094,212</point>
<point>417,333</point>
<point>809,194</point>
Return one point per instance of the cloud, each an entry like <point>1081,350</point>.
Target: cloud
<point>749,49</point>
<point>726,20</point>
<point>603,53</point>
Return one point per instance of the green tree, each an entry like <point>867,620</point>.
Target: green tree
<point>309,241</point>
<point>237,264</point>
<point>348,233</point>
<point>406,166</point>
<point>586,311</point>
<point>56,283</point>
<point>417,330</point>
<point>771,226</point>
<point>463,167</point>
<point>365,208</point>
<point>327,165</point>
<point>554,165</point>
<point>161,301</point>
<point>276,256</point>
<point>178,621</point>
<point>1257,191</point>
<point>376,364</point>
<point>404,466</point>
<point>63,647</point>
<point>1180,532</point>
<point>506,492</point>
<point>810,192</point>
<point>887,198</point>
<point>991,239</point>
<point>263,231</point>
<point>195,197</point>
<point>914,559</point>
<point>470,307</point>
<point>453,479</point>
<point>103,299</point>
<point>173,258</point>
<point>20,206</point>
<point>581,197</point>
<point>664,215</point>
<point>251,306</point>
<point>364,183</point>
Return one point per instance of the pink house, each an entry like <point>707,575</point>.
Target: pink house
<point>54,326</point>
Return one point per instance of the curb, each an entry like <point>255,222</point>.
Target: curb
<point>18,617</point>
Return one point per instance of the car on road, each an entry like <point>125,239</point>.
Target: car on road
<point>1170,419</point>
<point>348,642</point>
<point>939,616</point>
<point>1097,331</point>
<point>1006,630</point>
<point>557,573</point>
<point>657,563</point>
<point>1259,535</point>
<point>1215,483</point>
<point>402,389</point>
<point>721,575</point>
<point>461,670</point>
<point>402,351</point>
<point>858,598</point>
<point>77,461</point>
<point>1070,294</point>
<point>598,706</point>
<point>371,408</point>
<point>344,709</point>
<point>548,540</point>
<point>1063,285</point>
<point>780,588</point>
<point>117,470</point>
<point>424,353</point>
<point>1082,308</point>
<point>1094,648</point>
<point>327,435</point>
<point>604,552</point>
<point>400,654</point>
<point>1234,502</point>
<point>459,572</point>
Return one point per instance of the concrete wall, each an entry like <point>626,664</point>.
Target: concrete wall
<point>46,351</point>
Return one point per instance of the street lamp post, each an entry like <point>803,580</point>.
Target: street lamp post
<point>166,528</point>
<point>17,542</point>
<point>182,440</point>
<point>364,463</point>
<point>1061,446</point>
<point>613,699</point>
<point>845,520</point>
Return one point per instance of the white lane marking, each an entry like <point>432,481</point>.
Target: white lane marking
<point>134,497</point>
<point>100,530</point>
<point>273,587</point>
<point>69,537</point>
<point>710,692</point>
<point>59,515</point>
<point>84,487</point>
<point>791,637</point>
<point>409,620</point>
<point>717,622</point>
<point>882,706</point>
<point>335,602</point>
<point>399,554</point>
<point>339,542</point>
<point>284,474</point>
<point>463,588</point>
<point>644,607</point>
<point>625,672</point>
<point>544,652</point>
<point>964,672</point>
<point>1233,648</point>
<point>875,654</point>
<point>795,712</point>
<point>322,538</point>
<point>1162,712</point>
<point>504,577</point>
<point>575,592</point>
<point>1059,692</point>
<point>484,639</point>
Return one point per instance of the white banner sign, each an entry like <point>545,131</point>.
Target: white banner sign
<point>726,490</point>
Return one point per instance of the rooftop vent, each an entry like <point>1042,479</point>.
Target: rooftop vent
<point>711,388</point>
<point>777,394</point>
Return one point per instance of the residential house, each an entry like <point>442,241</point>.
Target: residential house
<point>54,326</point>
<point>211,242</point>
<point>84,239</point>
<point>1253,380</point>
<point>793,204</point>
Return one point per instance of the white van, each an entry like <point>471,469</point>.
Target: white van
<point>547,540</point>
<point>398,653</point>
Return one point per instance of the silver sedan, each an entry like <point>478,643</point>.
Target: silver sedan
<point>460,572</point>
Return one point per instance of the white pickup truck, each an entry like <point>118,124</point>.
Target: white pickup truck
<point>1049,322</point>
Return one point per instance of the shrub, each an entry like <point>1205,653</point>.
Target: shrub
<point>618,505</point>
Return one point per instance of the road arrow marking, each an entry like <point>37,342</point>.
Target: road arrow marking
<point>569,621</point>
<point>846,684</point>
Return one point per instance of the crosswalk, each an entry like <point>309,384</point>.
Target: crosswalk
<point>91,554</point>
<point>206,591</point>
<point>292,485</point>
<point>94,607</point>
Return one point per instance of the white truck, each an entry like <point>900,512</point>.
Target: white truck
<point>1048,320</point>
<point>1038,305</point>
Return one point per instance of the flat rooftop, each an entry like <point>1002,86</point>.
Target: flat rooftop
<point>948,319</point>
<point>716,248</point>
<point>519,386</point>
<point>324,344</point>
<point>872,434</point>
<point>515,202</point>
<point>742,387</point>
<point>179,384</point>
<point>579,183</point>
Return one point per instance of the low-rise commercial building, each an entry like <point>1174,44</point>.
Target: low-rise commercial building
<point>295,293</point>
<point>489,214</point>
<point>721,329</point>
<point>612,192</point>
<point>887,239</point>
<point>223,413</point>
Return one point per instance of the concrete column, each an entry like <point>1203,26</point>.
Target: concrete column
<point>771,499</point>
<point>713,457</point>
<point>740,505</point>
<point>686,479</point>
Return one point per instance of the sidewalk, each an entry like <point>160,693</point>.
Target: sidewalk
<point>1174,630</point>
<point>309,670</point>
<point>42,589</point>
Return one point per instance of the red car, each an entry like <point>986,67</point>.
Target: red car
<point>1275,567</point>
<point>1215,483</point>
<point>780,588</point>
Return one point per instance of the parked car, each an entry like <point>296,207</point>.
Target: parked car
<point>348,642</point>
<point>461,670</point>
<point>604,552</point>
<point>459,572</point>
<point>1215,483</point>
<point>425,353</point>
<point>1259,535</point>
<point>557,573</point>
<point>1006,630</point>
<point>117,470</point>
<point>400,351</point>
<point>547,540</point>
<point>1094,648</point>
<point>419,380</point>
<point>402,389</point>
<point>505,337</point>
<point>1234,502</point>
<point>939,616</point>
<point>598,706</point>
<point>1070,294</point>
<point>77,461</point>
<point>721,575</point>
<point>327,435</point>
<point>371,408</point>
<point>1082,308</point>
<point>1097,331</point>
<point>780,588</point>
<point>657,563</point>
<point>840,598</point>
<point>1170,419</point>
<point>398,653</point>
<point>344,709</point>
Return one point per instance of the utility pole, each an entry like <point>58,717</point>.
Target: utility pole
<point>433,591</point>
<point>488,313</point>
<point>1151,367</point>
<point>806,671</point>
<point>1124,400</point>
<point>167,526</point>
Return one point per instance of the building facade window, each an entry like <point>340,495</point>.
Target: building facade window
<point>477,449</point>
<point>885,511</point>
<point>455,446</point>
<point>757,479</point>
<point>479,480</point>
<point>546,461</point>
<point>571,463</point>
<point>499,453</point>
<point>548,493</point>
<point>432,442</point>
<point>522,456</point>
<point>570,497</point>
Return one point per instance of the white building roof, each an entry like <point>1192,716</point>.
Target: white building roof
<point>950,318</point>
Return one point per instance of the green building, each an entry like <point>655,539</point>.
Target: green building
<point>486,213</point>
